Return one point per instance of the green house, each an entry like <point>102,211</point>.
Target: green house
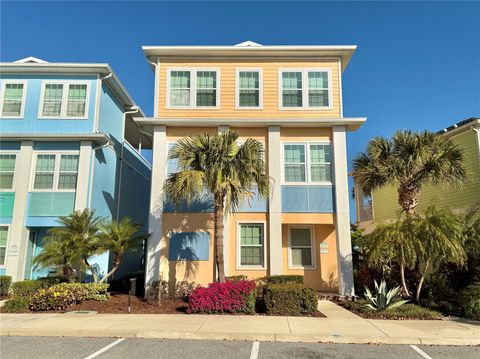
<point>382,205</point>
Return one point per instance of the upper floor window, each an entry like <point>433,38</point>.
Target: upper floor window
<point>249,88</point>
<point>13,99</point>
<point>304,89</point>
<point>7,170</point>
<point>64,100</point>
<point>56,172</point>
<point>193,88</point>
<point>306,163</point>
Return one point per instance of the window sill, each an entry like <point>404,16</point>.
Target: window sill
<point>304,108</point>
<point>250,268</point>
<point>302,268</point>
<point>62,118</point>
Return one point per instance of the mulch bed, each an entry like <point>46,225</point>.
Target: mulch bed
<point>118,303</point>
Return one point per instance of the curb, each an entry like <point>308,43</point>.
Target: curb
<point>265,337</point>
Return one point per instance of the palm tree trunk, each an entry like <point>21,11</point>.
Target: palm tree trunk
<point>90,267</point>
<point>408,197</point>
<point>117,260</point>
<point>422,278</point>
<point>218,235</point>
<point>402,273</point>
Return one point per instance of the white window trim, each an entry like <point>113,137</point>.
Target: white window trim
<point>24,95</point>
<point>193,88</point>
<point>312,243</point>
<point>4,265</point>
<point>238,265</point>
<point>56,173</point>
<point>63,109</point>
<point>14,171</point>
<point>308,181</point>
<point>305,88</point>
<point>237,88</point>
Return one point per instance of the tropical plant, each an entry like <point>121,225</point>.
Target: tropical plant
<point>408,161</point>
<point>227,170</point>
<point>71,244</point>
<point>383,299</point>
<point>118,238</point>
<point>425,241</point>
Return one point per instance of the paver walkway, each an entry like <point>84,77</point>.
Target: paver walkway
<point>340,326</point>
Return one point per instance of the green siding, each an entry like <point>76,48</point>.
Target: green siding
<point>385,205</point>
<point>51,204</point>
<point>7,199</point>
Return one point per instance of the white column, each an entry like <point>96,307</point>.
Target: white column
<point>344,246</point>
<point>275,200</point>
<point>155,221</point>
<point>83,175</point>
<point>226,227</point>
<point>18,235</point>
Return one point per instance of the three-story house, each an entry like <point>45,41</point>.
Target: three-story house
<point>68,142</point>
<point>290,99</point>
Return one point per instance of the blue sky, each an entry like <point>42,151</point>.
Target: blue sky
<point>417,65</point>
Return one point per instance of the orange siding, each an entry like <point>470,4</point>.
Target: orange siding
<point>227,89</point>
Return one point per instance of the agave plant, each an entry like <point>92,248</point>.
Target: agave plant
<point>383,298</point>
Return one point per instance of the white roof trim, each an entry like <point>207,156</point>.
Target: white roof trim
<point>31,59</point>
<point>352,123</point>
<point>247,43</point>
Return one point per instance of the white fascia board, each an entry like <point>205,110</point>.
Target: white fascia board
<point>352,123</point>
<point>95,137</point>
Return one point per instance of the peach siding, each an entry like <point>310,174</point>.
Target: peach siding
<point>227,89</point>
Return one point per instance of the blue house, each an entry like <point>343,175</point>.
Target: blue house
<point>68,142</point>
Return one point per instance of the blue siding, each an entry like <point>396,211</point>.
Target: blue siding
<point>190,246</point>
<point>111,116</point>
<point>307,199</point>
<point>10,145</point>
<point>254,204</point>
<point>31,124</point>
<point>56,146</point>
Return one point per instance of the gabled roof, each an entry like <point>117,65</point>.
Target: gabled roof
<point>32,65</point>
<point>250,49</point>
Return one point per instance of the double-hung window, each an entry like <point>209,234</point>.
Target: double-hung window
<point>193,88</point>
<point>249,89</point>
<point>301,248</point>
<point>64,100</point>
<point>251,243</point>
<point>7,170</point>
<point>307,163</point>
<point>3,244</point>
<point>13,99</point>
<point>304,89</point>
<point>56,172</point>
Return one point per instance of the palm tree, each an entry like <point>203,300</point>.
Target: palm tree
<point>409,160</point>
<point>224,168</point>
<point>426,241</point>
<point>72,243</point>
<point>118,238</point>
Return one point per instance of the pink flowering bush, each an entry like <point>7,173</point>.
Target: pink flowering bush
<point>228,297</point>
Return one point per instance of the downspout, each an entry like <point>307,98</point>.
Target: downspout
<point>119,189</point>
<point>156,66</point>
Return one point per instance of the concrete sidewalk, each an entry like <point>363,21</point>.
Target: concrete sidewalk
<point>340,326</point>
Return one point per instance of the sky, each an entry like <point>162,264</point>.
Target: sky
<point>417,65</point>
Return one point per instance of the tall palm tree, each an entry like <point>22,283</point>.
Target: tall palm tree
<point>224,168</point>
<point>118,238</point>
<point>409,160</point>
<point>71,243</point>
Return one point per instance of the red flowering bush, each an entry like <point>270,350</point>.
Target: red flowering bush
<point>228,297</point>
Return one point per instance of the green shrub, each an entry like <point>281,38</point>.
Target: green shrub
<point>236,278</point>
<point>17,305</point>
<point>383,299</point>
<point>181,290</point>
<point>290,299</point>
<point>279,279</point>
<point>52,299</point>
<point>85,291</point>
<point>26,288</point>
<point>5,282</point>
<point>469,301</point>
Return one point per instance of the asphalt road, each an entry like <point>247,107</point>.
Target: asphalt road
<point>107,348</point>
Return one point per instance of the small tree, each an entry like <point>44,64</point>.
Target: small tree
<point>71,244</point>
<point>118,238</point>
<point>219,165</point>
